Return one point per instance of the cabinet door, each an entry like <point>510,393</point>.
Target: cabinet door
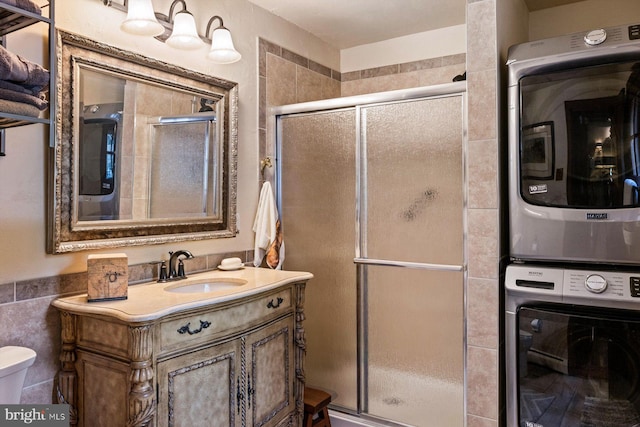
<point>103,391</point>
<point>199,388</point>
<point>270,373</point>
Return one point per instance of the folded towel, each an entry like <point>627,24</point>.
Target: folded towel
<point>19,108</point>
<point>18,70</point>
<point>24,4</point>
<point>11,95</point>
<point>31,90</point>
<point>266,226</point>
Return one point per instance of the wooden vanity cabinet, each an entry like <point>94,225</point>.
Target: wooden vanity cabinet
<point>238,363</point>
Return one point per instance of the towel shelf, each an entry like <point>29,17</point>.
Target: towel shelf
<point>8,120</point>
<point>13,19</point>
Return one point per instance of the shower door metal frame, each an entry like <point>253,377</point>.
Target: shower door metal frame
<point>361,260</point>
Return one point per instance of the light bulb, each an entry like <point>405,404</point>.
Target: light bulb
<point>141,19</point>
<point>222,49</point>
<point>184,34</point>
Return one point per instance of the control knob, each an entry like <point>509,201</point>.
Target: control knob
<point>595,283</point>
<point>595,37</point>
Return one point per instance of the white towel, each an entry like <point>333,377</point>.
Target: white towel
<point>266,227</point>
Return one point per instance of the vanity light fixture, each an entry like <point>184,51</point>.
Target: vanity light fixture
<point>177,31</point>
<point>222,49</point>
<point>184,34</point>
<point>141,19</point>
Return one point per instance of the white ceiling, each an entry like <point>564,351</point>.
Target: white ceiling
<point>347,23</point>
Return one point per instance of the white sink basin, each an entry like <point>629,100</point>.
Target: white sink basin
<point>209,285</point>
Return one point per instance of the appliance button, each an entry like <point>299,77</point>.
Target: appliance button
<point>635,287</point>
<point>595,283</point>
<point>595,37</point>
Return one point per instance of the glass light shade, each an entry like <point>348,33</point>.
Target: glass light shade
<point>184,34</point>
<point>222,49</point>
<point>141,19</point>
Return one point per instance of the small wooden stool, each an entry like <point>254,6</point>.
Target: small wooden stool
<point>315,402</point>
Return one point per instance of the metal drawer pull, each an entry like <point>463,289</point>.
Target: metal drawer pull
<point>239,394</point>
<point>185,329</point>
<point>275,305</point>
<point>250,391</point>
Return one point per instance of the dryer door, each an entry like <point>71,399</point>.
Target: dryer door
<point>578,367</point>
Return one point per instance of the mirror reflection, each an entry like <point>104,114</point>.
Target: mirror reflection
<point>142,175</point>
<point>145,153</point>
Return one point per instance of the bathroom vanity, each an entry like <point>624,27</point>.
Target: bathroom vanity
<point>218,348</point>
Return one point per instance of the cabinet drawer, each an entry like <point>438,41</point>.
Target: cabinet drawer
<point>198,328</point>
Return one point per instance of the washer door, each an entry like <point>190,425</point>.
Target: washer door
<point>578,367</point>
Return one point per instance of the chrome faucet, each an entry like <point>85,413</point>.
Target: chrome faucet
<point>173,257</point>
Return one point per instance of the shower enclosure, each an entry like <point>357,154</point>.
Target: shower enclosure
<point>371,192</point>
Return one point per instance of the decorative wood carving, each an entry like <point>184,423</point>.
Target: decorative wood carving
<point>300,351</point>
<point>67,378</point>
<point>241,382</point>
<point>142,402</point>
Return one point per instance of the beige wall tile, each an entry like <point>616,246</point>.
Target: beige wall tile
<point>262,103</point>
<point>484,222</point>
<point>483,174</point>
<point>481,35</point>
<point>280,75</point>
<point>40,393</point>
<point>36,325</point>
<point>483,256</point>
<point>473,421</point>
<point>380,71</point>
<point>380,84</point>
<point>7,293</point>
<point>152,100</point>
<point>482,382</point>
<point>440,75</point>
<point>330,88</point>
<point>483,104</point>
<point>483,312</point>
<point>308,85</point>
<point>266,47</point>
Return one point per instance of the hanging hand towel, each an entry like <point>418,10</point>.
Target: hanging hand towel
<point>268,231</point>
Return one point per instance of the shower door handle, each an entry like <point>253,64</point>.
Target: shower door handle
<point>416,265</point>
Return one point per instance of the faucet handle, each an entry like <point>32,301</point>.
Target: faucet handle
<point>181,269</point>
<point>162,276</point>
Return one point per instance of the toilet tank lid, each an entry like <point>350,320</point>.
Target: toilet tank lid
<point>13,358</point>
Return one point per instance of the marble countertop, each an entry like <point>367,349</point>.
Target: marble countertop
<point>150,301</point>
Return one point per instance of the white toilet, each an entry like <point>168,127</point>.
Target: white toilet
<point>14,362</point>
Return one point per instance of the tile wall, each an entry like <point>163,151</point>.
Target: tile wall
<point>483,291</point>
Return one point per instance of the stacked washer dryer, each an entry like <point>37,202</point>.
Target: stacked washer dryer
<point>572,287</point>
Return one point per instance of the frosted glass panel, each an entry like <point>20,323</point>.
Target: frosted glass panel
<point>318,217</point>
<point>414,180</point>
<point>176,190</point>
<point>415,346</point>
<point>411,208</point>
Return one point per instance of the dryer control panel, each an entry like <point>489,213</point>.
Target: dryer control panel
<point>586,287</point>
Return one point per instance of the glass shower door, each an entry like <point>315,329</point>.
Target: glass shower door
<point>372,203</point>
<point>317,197</point>
<point>411,259</point>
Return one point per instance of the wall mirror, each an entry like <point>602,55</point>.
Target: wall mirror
<point>145,151</point>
